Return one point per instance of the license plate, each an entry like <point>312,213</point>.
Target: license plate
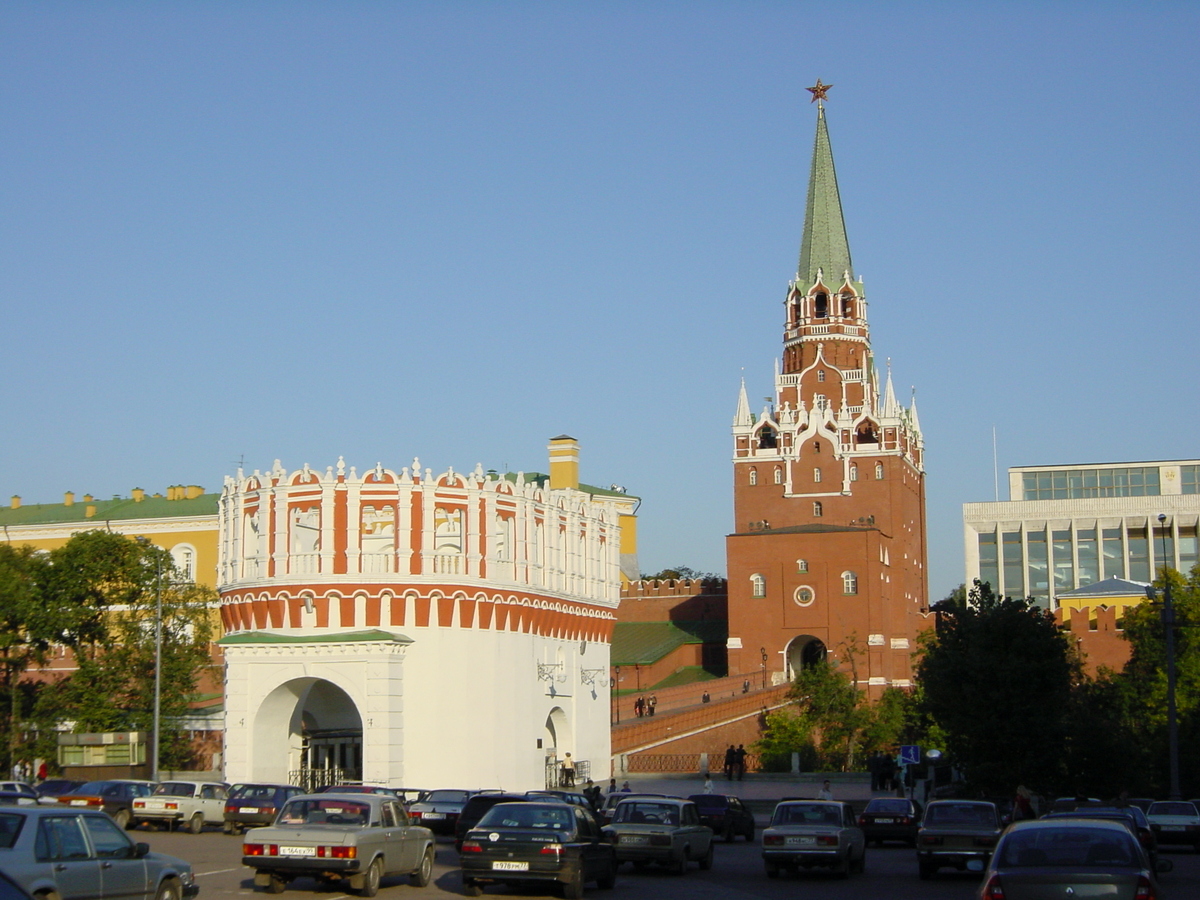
<point>249,809</point>
<point>500,865</point>
<point>634,839</point>
<point>433,815</point>
<point>884,821</point>
<point>297,851</point>
<point>802,841</point>
<point>79,803</point>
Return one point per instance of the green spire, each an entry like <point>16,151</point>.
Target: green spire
<point>824,245</point>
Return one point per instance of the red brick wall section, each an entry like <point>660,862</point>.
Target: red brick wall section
<point>1105,645</point>
<point>670,601</point>
<point>648,730</point>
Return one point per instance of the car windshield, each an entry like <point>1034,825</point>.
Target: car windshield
<point>527,815</point>
<point>94,787</point>
<point>253,792</point>
<point>325,812</point>
<point>1168,808</point>
<point>646,812</point>
<point>10,827</point>
<point>709,801</point>
<point>1068,845</point>
<point>174,789</point>
<point>961,814</point>
<point>807,814</point>
<point>883,805</point>
<point>446,797</point>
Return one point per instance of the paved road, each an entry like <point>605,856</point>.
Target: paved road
<point>736,875</point>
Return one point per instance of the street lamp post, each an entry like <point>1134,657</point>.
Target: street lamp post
<point>763,652</point>
<point>617,692</point>
<point>1168,616</point>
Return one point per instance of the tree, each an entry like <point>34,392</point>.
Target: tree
<point>26,631</point>
<point>109,589</point>
<point>710,580</point>
<point>996,675</point>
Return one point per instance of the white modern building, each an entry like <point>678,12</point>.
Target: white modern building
<point>1066,527</point>
<point>413,629</point>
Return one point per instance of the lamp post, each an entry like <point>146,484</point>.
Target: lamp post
<point>617,692</point>
<point>763,652</point>
<point>1168,616</point>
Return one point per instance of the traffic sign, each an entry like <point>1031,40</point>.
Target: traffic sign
<point>910,755</point>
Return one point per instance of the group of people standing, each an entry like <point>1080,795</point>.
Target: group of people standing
<point>644,706</point>
<point>884,769</point>
<point>735,762</point>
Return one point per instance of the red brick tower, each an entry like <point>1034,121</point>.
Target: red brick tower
<point>828,549</point>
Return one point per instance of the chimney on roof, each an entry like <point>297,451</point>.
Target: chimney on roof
<point>88,498</point>
<point>564,462</point>
<point>193,491</point>
<point>138,495</point>
<point>69,498</point>
<point>16,501</point>
<point>89,510</point>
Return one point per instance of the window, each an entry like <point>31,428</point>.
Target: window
<point>816,446</point>
<point>818,510</point>
<point>753,476</point>
<point>778,475</point>
<point>767,439</point>
<point>184,558</point>
<point>1073,484</point>
<point>879,471</point>
<point>853,472</point>
<point>802,565</point>
<point>816,476</point>
<point>820,374</point>
<point>849,583</point>
<point>989,560</point>
<point>822,306</point>
<point>758,586</point>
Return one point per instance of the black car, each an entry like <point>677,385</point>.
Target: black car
<point>52,788</point>
<point>726,815</point>
<point>536,843</point>
<point>890,819</point>
<point>475,809</point>
<point>252,805</point>
<point>439,810</point>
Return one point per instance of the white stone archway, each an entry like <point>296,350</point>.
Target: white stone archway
<point>802,652</point>
<point>306,725</point>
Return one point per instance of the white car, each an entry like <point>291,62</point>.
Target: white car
<point>191,803</point>
<point>1175,822</point>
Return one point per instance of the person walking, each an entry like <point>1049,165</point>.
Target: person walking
<point>826,792</point>
<point>652,703</point>
<point>568,771</point>
<point>739,761</point>
<point>730,760</point>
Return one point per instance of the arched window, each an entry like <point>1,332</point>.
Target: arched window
<point>753,476</point>
<point>816,475</point>
<point>818,510</point>
<point>849,583</point>
<point>767,439</point>
<point>778,475</point>
<point>822,306</point>
<point>184,558</point>
<point>853,472</point>
<point>802,565</point>
<point>879,471</point>
<point>847,306</point>
<point>758,586</point>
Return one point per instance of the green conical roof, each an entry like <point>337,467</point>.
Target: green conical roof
<point>824,245</point>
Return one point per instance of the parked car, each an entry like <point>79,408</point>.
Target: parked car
<point>115,797</point>
<point>52,788</point>
<point>1131,816</point>
<point>805,834</point>
<point>1175,822</point>
<point>361,789</point>
<point>475,809</point>
<point>610,802</point>
<point>725,815</point>
<point>18,793</point>
<point>663,830</point>
<point>253,805</point>
<point>71,853</point>
<point>890,819</point>
<point>10,890</point>
<point>439,810</point>
<point>174,803</point>
<point>1064,857</point>
<point>957,833</point>
<point>535,842</point>
<point>361,838</point>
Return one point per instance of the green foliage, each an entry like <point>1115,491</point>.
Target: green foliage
<point>996,675</point>
<point>710,580</point>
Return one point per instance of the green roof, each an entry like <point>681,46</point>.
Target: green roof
<point>824,244</point>
<point>685,675</point>
<point>643,643</point>
<point>109,510</point>
<point>271,637</point>
<point>543,480</point>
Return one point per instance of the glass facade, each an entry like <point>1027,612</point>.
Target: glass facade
<point>1064,564</point>
<point>1014,564</point>
<point>1189,479</point>
<point>1039,581</point>
<point>1089,556</point>
<point>1074,484</point>
<point>1114,553</point>
<point>989,559</point>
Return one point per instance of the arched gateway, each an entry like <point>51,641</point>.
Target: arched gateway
<point>322,734</point>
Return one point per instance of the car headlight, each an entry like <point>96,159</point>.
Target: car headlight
<point>187,878</point>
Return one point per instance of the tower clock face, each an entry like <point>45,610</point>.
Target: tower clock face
<point>804,595</point>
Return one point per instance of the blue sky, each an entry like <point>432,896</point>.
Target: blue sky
<point>454,230</point>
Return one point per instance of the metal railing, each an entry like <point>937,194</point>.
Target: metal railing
<point>312,779</point>
<point>554,773</point>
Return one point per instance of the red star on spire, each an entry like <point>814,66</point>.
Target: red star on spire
<point>819,91</point>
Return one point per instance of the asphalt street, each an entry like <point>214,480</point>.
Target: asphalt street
<point>737,874</point>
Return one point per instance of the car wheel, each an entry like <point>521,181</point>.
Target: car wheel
<point>227,828</point>
<point>123,818</point>
<point>276,885</point>
<point>925,870</point>
<point>424,874</point>
<point>843,871</point>
<point>372,878</point>
<point>729,835</point>
<point>679,864</point>
<point>196,823</point>
<point>772,870</point>
<point>471,889</point>
<point>169,890</point>
<point>573,889</point>
<point>608,880</point>
<point>706,860</point>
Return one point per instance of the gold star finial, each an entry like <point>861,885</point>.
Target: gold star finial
<point>819,92</point>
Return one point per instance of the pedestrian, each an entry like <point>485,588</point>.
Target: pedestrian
<point>1023,805</point>
<point>568,771</point>
<point>708,785</point>
<point>626,789</point>
<point>739,761</point>
<point>639,706</point>
<point>612,785</point>
<point>41,776</point>
<point>887,772</point>
<point>730,760</point>
<point>826,793</point>
<point>873,768</point>
<point>746,686</point>
<point>651,703</point>
<point>704,698</point>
